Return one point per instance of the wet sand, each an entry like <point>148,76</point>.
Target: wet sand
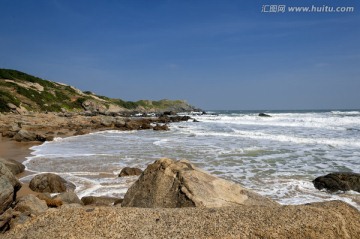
<point>11,149</point>
<point>18,151</point>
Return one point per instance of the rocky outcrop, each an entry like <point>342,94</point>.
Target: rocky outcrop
<point>333,182</point>
<point>14,166</point>
<point>324,220</point>
<point>30,203</point>
<point>50,183</point>
<point>9,185</point>
<point>169,184</point>
<point>128,171</point>
<point>45,127</point>
<point>94,106</point>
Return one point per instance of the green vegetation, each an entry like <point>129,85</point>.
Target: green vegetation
<point>17,75</point>
<point>20,88</point>
<point>6,98</point>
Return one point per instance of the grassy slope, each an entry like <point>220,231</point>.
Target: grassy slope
<point>36,94</point>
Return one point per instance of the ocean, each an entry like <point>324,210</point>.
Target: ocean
<point>276,156</point>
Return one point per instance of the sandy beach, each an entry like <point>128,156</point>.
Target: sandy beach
<point>18,151</point>
<point>12,149</point>
<point>317,220</point>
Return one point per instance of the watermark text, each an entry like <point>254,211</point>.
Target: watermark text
<point>306,9</point>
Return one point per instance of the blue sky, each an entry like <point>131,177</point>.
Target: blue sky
<point>215,54</point>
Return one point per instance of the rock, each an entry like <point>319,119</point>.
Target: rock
<point>170,184</point>
<point>50,202</point>
<point>93,106</point>
<point>169,113</point>
<point>68,197</point>
<point>133,125</point>
<point>11,106</point>
<point>341,181</point>
<point>264,115</point>
<point>334,219</point>
<point>5,219</point>
<point>19,219</point>
<point>14,166</point>
<point>119,122</point>
<point>24,135</point>
<point>99,201</point>
<point>51,183</point>
<point>9,185</point>
<point>30,203</point>
<point>127,171</point>
<point>114,109</point>
<point>159,127</point>
<point>107,121</point>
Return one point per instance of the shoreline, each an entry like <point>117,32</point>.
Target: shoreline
<point>18,151</point>
<point>18,133</point>
<point>334,219</point>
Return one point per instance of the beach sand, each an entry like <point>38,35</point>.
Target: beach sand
<point>10,149</point>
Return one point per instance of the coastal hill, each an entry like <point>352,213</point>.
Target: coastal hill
<point>21,92</point>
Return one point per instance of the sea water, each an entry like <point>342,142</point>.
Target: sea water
<point>276,156</point>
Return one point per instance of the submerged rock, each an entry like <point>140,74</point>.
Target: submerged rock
<point>264,115</point>
<point>341,181</point>
<point>159,127</point>
<point>50,183</point>
<point>170,184</point>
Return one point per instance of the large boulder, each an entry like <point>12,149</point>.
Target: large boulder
<point>50,183</point>
<point>14,166</point>
<point>170,184</point>
<point>127,171</point>
<point>9,185</point>
<point>30,203</point>
<point>25,136</point>
<point>342,181</point>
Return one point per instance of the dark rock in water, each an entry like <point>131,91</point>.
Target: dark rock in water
<point>341,181</point>
<point>159,127</point>
<point>50,183</point>
<point>99,201</point>
<point>169,113</point>
<point>195,120</point>
<point>264,115</point>
<point>127,171</point>
<point>173,184</point>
